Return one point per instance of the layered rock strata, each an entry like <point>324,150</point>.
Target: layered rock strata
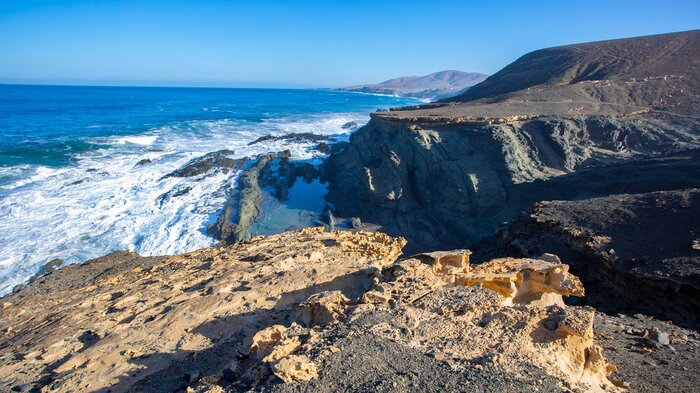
<point>451,172</point>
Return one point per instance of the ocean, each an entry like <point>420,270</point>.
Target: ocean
<point>70,186</point>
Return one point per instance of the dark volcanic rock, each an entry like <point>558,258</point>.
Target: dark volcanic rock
<point>351,125</point>
<point>333,148</point>
<point>328,218</point>
<point>451,172</point>
<point>240,211</point>
<point>218,160</point>
<point>52,266</point>
<point>633,251</point>
<point>323,148</point>
<point>272,173</point>
<point>293,137</point>
<point>263,138</point>
<point>173,194</point>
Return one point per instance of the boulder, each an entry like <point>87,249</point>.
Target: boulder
<point>297,368</point>
<point>218,160</point>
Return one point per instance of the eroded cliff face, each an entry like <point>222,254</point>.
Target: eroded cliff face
<point>448,172</point>
<point>452,183</point>
<point>638,252</point>
<point>292,307</point>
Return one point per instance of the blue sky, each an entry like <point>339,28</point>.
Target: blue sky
<point>300,43</point>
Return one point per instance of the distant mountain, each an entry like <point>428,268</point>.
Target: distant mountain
<point>438,85</point>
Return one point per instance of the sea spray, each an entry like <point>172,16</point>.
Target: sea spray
<point>115,195</point>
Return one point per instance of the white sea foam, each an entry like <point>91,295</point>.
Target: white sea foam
<point>138,140</point>
<point>106,202</point>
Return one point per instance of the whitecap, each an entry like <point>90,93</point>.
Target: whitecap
<point>143,140</point>
<point>105,202</point>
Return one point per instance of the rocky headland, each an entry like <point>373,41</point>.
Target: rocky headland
<point>451,172</point>
<point>572,176</point>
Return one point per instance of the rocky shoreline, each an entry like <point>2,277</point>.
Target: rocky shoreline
<point>312,310</point>
<point>272,175</point>
<point>288,306</point>
<point>451,172</point>
<point>574,167</point>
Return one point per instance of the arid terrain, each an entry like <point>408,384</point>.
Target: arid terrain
<point>296,306</point>
<point>451,172</point>
<point>539,232</point>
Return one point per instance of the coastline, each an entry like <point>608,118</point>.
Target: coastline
<point>573,186</point>
<point>103,182</point>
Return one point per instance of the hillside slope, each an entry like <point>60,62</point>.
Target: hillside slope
<point>451,172</point>
<point>623,62</point>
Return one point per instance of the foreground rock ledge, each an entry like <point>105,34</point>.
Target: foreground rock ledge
<point>288,308</point>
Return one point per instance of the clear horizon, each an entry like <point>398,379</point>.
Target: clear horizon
<point>305,44</point>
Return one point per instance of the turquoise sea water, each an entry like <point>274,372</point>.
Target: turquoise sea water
<point>69,184</point>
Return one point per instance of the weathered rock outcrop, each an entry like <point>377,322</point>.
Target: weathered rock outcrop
<point>636,251</point>
<point>454,315</point>
<point>293,137</point>
<point>451,172</point>
<point>286,304</point>
<point>124,322</point>
<point>320,311</point>
<point>243,205</point>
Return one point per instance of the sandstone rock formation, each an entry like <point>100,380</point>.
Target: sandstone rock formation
<point>94,326</point>
<point>286,307</point>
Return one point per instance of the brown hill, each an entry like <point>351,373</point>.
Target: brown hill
<point>450,171</point>
<point>624,62</point>
<point>657,75</point>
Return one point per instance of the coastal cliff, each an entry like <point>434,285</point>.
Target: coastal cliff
<point>571,175</point>
<point>606,242</point>
<point>450,172</point>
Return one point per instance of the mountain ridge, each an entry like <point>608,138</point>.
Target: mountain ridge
<point>599,60</point>
<point>441,84</point>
